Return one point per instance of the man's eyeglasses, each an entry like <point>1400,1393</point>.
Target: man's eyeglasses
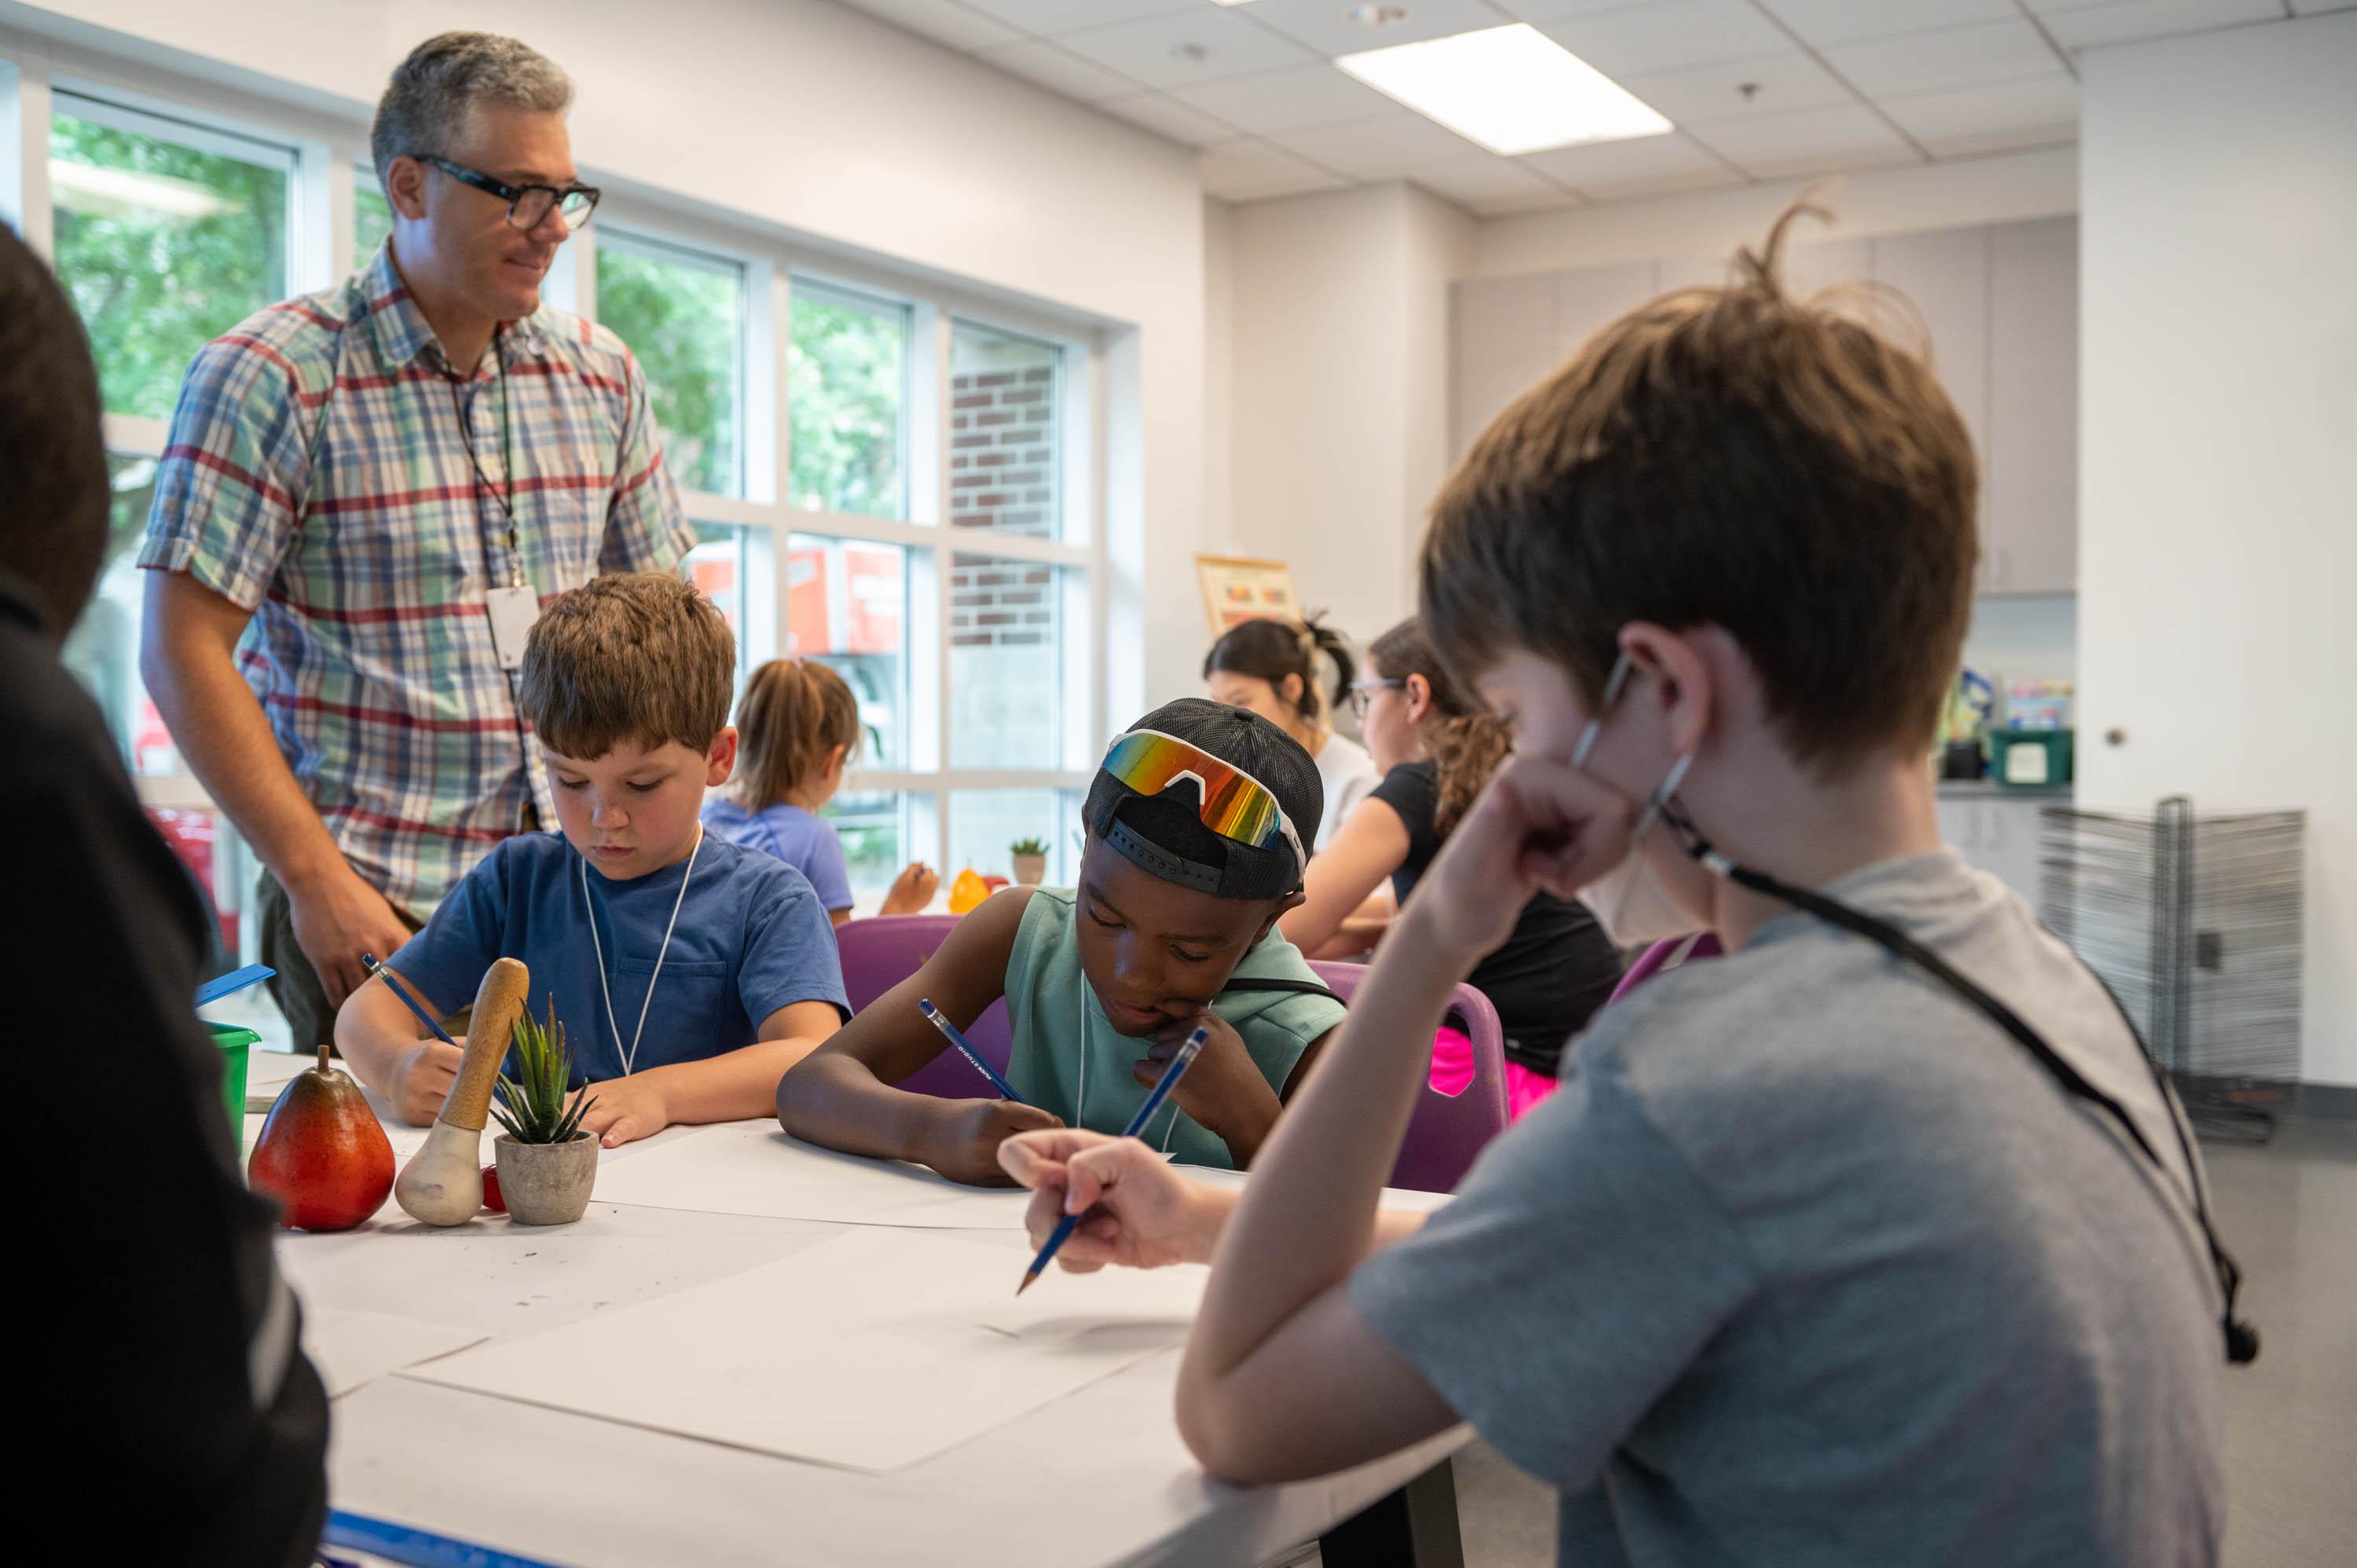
<point>528,205</point>
<point>1361,693</point>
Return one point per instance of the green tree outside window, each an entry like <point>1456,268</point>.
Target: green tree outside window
<point>684,321</point>
<point>847,369</point>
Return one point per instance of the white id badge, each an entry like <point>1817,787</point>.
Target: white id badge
<point>512,611</point>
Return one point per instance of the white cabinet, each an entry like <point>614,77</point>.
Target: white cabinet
<point>1588,299</point>
<point>1998,834</point>
<point>2029,472</point>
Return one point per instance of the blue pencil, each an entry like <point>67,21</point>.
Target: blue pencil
<point>392,984</point>
<point>418,1548</point>
<point>950,1031</point>
<point>1160,1093</point>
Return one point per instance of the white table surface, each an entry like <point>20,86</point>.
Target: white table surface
<point>1099,1478</point>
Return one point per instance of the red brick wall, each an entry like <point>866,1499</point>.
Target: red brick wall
<point>1003,462</point>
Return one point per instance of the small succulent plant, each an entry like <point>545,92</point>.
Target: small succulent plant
<point>535,1110</point>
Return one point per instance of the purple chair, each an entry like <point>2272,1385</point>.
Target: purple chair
<point>1446,1131</point>
<point>878,954</point>
<point>1655,959</point>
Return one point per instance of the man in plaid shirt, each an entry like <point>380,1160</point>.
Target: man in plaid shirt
<point>366,496</point>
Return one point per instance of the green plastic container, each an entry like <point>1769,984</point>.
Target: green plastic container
<point>234,1043</point>
<point>2031,758</point>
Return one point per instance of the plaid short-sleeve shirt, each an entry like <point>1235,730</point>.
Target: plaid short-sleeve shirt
<point>318,474</point>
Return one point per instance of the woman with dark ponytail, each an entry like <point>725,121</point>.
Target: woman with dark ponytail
<point>1272,668</point>
<point>1437,747</point>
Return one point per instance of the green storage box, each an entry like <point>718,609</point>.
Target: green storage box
<point>2031,758</point>
<point>233,1043</point>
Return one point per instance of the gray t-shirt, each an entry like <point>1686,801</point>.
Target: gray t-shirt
<point>1810,1263</point>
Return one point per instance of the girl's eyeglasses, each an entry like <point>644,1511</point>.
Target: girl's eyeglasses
<point>1361,693</point>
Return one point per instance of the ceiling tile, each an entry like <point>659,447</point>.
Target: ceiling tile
<point>1247,170</point>
<point>2037,111</point>
<point>1382,145</point>
<point>1067,16</point>
<point>1669,36</point>
<point>2318,7</point>
<point>1518,206</point>
<point>1204,44</point>
<point>1603,170</point>
<point>1553,10</point>
<point>960,26</point>
<point>1286,99</point>
<point>1324,26</point>
<point>1051,67</point>
<point>1808,141</point>
<point>1788,80</point>
<point>1486,176</point>
<point>1168,117</point>
<point>2117,24</point>
<point>1958,57</point>
<point>1822,22</point>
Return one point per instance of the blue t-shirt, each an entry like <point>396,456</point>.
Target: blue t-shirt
<point>751,939</point>
<point>807,844</point>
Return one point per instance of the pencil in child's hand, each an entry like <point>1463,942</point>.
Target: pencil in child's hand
<point>1179,1062</point>
<point>392,984</point>
<point>950,1031</point>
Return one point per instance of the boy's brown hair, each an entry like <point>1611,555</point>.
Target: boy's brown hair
<point>639,656</point>
<point>1729,457</point>
<point>793,714</point>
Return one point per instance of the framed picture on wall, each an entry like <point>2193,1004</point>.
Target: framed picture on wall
<point>1243,587</point>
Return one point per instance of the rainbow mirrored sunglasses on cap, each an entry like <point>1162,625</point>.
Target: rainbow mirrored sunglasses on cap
<point>1230,801</point>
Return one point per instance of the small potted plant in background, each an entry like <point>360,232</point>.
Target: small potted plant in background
<point>546,1163</point>
<point>1030,860</point>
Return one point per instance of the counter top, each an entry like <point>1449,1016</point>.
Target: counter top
<point>1990,790</point>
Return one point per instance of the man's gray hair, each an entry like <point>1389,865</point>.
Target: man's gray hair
<point>446,78</point>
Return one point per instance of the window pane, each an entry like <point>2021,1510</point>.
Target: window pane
<point>684,316</point>
<point>371,216</point>
<point>164,248</point>
<point>848,361</point>
<point>717,567</point>
<point>1007,662</point>
<point>847,604</point>
<point>104,649</point>
<point>871,828</point>
<point>1005,441</point>
<point>985,824</point>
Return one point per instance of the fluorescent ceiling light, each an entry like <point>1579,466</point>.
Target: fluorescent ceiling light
<point>112,191</point>
<point>1513,89</point>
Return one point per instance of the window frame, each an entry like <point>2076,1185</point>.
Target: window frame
<point>331,157</point>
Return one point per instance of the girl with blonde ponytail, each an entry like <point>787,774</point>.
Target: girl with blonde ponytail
<point>1437,747</point>
<point>797,730</point>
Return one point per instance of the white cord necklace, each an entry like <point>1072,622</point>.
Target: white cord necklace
<point>1079,1110</point>
<point>630,1056</point>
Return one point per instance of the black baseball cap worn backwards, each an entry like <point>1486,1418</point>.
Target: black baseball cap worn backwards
<point>1165,835</point>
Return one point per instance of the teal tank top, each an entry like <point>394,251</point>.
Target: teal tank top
<point>1059,1025</point>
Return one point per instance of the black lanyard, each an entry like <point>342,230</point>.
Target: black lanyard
<point>2242,1339</point>
<point>503,494</point>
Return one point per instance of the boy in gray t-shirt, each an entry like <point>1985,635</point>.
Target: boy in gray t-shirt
<point>1821,1254</point>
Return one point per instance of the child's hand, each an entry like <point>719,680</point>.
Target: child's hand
<point>964,1141</point>
<point>1224,1091</point>
<point>420,1080</point>
<point>912,890</point>
<point>1540,825</point>
<point>1141,1213</point>
<point>628,1108</point>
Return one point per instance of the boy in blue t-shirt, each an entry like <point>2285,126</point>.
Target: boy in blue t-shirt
<point>689,972</point>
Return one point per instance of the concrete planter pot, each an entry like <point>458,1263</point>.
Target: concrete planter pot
<point>1029,869</point>
<point>546,1184</point>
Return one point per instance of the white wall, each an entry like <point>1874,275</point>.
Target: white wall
<point>1339,403</point>
<point>826,123</point>
<point>2218,473</point>
<point>1714,223</point>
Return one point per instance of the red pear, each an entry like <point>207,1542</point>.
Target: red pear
<point>322,1154</point>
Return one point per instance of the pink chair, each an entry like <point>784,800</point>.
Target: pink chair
<point>1444,1136</point>
<point>881,953</point>
<point>1655,959</point>
<point>1444,1132</point>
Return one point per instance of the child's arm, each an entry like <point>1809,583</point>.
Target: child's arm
<point>1369,846</point>
<point>389,1051</point>
<point>841,1095</point>
<point>734,1086</point>
<point>912,891</point>
<point>1283,1377</point>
